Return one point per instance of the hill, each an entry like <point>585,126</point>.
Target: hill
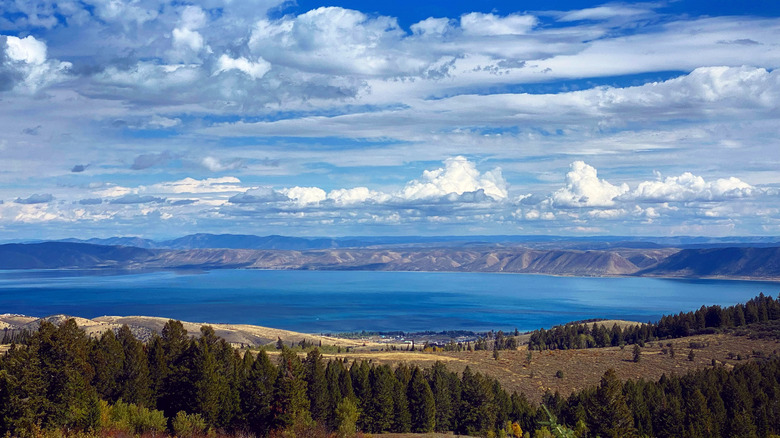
<point>732,262</point>
<point>143,327</point>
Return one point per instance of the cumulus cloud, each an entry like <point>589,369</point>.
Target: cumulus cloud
<point>24,65</point>
<point>254,69</point>
<point>305,195</point>
<point>458,176</point>
<point>432,27</point>
<point>356,195</point>
<point>335,40</point>
<point>689,187</point>
<point>477,23</point>
<point>260,195</point>
<point>585,189</point>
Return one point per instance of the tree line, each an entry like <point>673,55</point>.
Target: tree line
<point>707,319</point>
<point>713,402</point>
<point>62,379</point>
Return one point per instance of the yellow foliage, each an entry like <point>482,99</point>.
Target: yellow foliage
<point>517,431</point>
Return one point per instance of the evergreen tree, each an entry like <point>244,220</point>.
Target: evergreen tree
<point>23,390</point>
<point>133,381</point>
<point>290,404</point>
<point>608,412</point>
<point>257,394</point>
<point>108,358</point>
<point>441,386</point>
<point>316,386</point>
<point>361,386</point>
<point>64,358</point>
<point>346,418</point>
<point>380,407</point>
<point>402,419</point>
<point>477,411</point>
<point>175,391</point>
<point>422,406</point>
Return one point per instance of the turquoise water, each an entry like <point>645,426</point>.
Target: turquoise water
<point>335,301</point>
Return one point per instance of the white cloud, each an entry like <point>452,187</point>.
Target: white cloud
<point>356,195</point>
<point>689,187</point>
<point>187,38</point>
<point>585,189</point>
<point>477,23</point>
<point>27,50</point>
<point>255,70</point>
<point>305,195</point>
<point>603,13</point>
<point>335,40</point>
<point>24,65</point>
<point>34,214</point>
<point>458,176</point>
<point>190,185</point>
<point>432,27</point>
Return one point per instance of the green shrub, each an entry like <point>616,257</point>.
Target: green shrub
<point>188,425</point>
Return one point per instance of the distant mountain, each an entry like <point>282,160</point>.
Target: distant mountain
<point>600,243</point>
<point>59,255</point>
<point>137,242</point>
<point>240,241</point>
<point>728,262</point>
<point>720,262</point>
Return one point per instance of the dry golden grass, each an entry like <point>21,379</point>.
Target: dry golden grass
<point>581,368</point>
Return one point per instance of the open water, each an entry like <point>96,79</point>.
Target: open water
<point>339,301</point>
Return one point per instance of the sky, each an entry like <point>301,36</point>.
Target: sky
<point>159,118</point>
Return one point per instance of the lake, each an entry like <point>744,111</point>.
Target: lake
<point>338,301</point>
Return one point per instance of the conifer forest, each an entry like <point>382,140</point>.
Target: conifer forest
<point>58,381</point>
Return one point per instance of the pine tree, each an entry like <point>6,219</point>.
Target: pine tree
<point>346,418</point>
<point>440,383</point>
<point>176,391</point>
<point>23,400</point>
<point>290,404</point>
<point>477,411</point>
<point>362,389</point>
<point>108,358</point>
<point>380,409</point>
<point>134,381</point>
<point>257,394</point>
<point>316,385</point>
<point>402,419</point>
<point>333,371</point>
<point>608,412</point>
<point>422,406</point>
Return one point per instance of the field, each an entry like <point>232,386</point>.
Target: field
<point>583,368</point>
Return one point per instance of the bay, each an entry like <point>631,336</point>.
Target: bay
<point>341,301</point>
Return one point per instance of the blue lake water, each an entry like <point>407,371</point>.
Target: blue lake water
<point>337,301</point>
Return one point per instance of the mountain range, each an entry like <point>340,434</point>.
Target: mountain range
<point>576,257</point>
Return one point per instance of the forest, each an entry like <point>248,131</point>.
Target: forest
<point>59,381</point>
<point>707,319</point>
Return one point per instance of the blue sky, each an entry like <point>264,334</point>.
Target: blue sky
<point>157,118</point>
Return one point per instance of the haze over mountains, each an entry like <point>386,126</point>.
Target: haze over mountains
<point>755,258</point>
